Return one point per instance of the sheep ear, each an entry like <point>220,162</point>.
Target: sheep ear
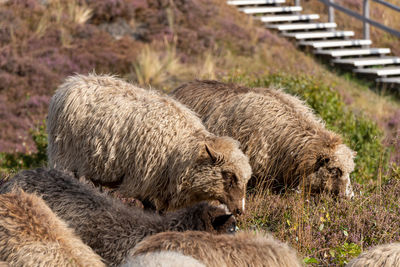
<point>211,153</point>
<point>221,220</point>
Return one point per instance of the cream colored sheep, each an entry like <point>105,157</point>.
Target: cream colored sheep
<point>151,146</point>
<point>387,255</point>
<point>286,143</point>
<point>243,249</point>
<point>162,259</point>
<point>32,235</point>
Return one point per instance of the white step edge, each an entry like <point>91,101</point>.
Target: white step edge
<point>302,26</point>
<point>315,35</point>
<point>254,2</point>
<point>281,18</point>
<point>360,62</point>
<point>389,80</point>
<point>335,43</point>
<point>275,9</point>
<point>380,71</point>
<point>353,52</point>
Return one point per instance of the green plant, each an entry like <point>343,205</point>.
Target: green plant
<point>12,162</point>
<point>343,253</point>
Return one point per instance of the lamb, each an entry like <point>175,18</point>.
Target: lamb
<point>110,228</point>
<point>383,256</point>
<point>242,249</point>
<point>164,259</point>
<point>32,235</point>
<point>287,145</point>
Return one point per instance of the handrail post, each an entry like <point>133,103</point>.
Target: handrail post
<point>331,12</point>
<point>366,15</point>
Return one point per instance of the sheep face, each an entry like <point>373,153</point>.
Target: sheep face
<point>221,173</point>
<point>332,173</point>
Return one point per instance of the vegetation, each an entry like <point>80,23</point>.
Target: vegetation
<point>163,43</point>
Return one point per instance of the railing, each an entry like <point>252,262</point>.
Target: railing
<point>364,17</point>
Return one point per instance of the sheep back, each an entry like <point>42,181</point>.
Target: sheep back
<point>387,255</point>
<point>242,249</point>
<point>32,235</point>
<point>164,259</point>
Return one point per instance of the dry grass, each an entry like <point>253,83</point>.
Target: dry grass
<point>155,67</point>
<point>327,230</point>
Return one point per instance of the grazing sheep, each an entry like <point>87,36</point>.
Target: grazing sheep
<point>286,143</point>
<point>387,255</point>
<point>32,235</point>
<point>151,146</point>
<point>162,259</point>
<point>242,249</point>
<point>110,228</point>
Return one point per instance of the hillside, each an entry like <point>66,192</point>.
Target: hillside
<point>163,43</point>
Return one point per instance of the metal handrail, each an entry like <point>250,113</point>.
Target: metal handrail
<point>365,17</point>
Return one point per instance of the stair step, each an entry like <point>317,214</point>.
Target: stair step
<point>335,43</point>
<point>353,52</point>
<point>274,9</point>
<point>380,71</point>
<point>280,18</point>
<point>301,26</point>
<point>254,2</point>
<point>318,35</point>
<point>389,80</point>
<point>361,62</point>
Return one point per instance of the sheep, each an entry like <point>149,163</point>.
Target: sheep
<point>32,235</point>
<point>110,228</point>
<point>287,144</point>
<point>242,249</point>
<point>162,259</point>
<point>383,256</point>
<point>148,145</point>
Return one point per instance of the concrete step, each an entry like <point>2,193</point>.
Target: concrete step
<point>362,62</point>
<point>335,43</point>
<point>318,35</point>
<point>353,52</point>
<point>273,9</point>
<point>281,18</point>
<point>379,71</point>
<point>392,80</point>
<point>301,26</point>
<point>254,2</point>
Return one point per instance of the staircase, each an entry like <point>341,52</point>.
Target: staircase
<point>325,41</point>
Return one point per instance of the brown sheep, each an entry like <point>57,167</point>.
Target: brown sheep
<point>286,143</point>
<point>162,259</point>
<point>110,228</point>
<point>32,235</point>
<point>387,255</point>
<point>242,249</point>
<point>151,146</point>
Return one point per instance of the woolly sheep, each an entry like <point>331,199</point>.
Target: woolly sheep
<point>242,249</point>
<point>162,259</point>
<point>110,228</point>
<point>286,143</point>
<point>387,255</point>
<point>151,146</point>
<point>32,235</point>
